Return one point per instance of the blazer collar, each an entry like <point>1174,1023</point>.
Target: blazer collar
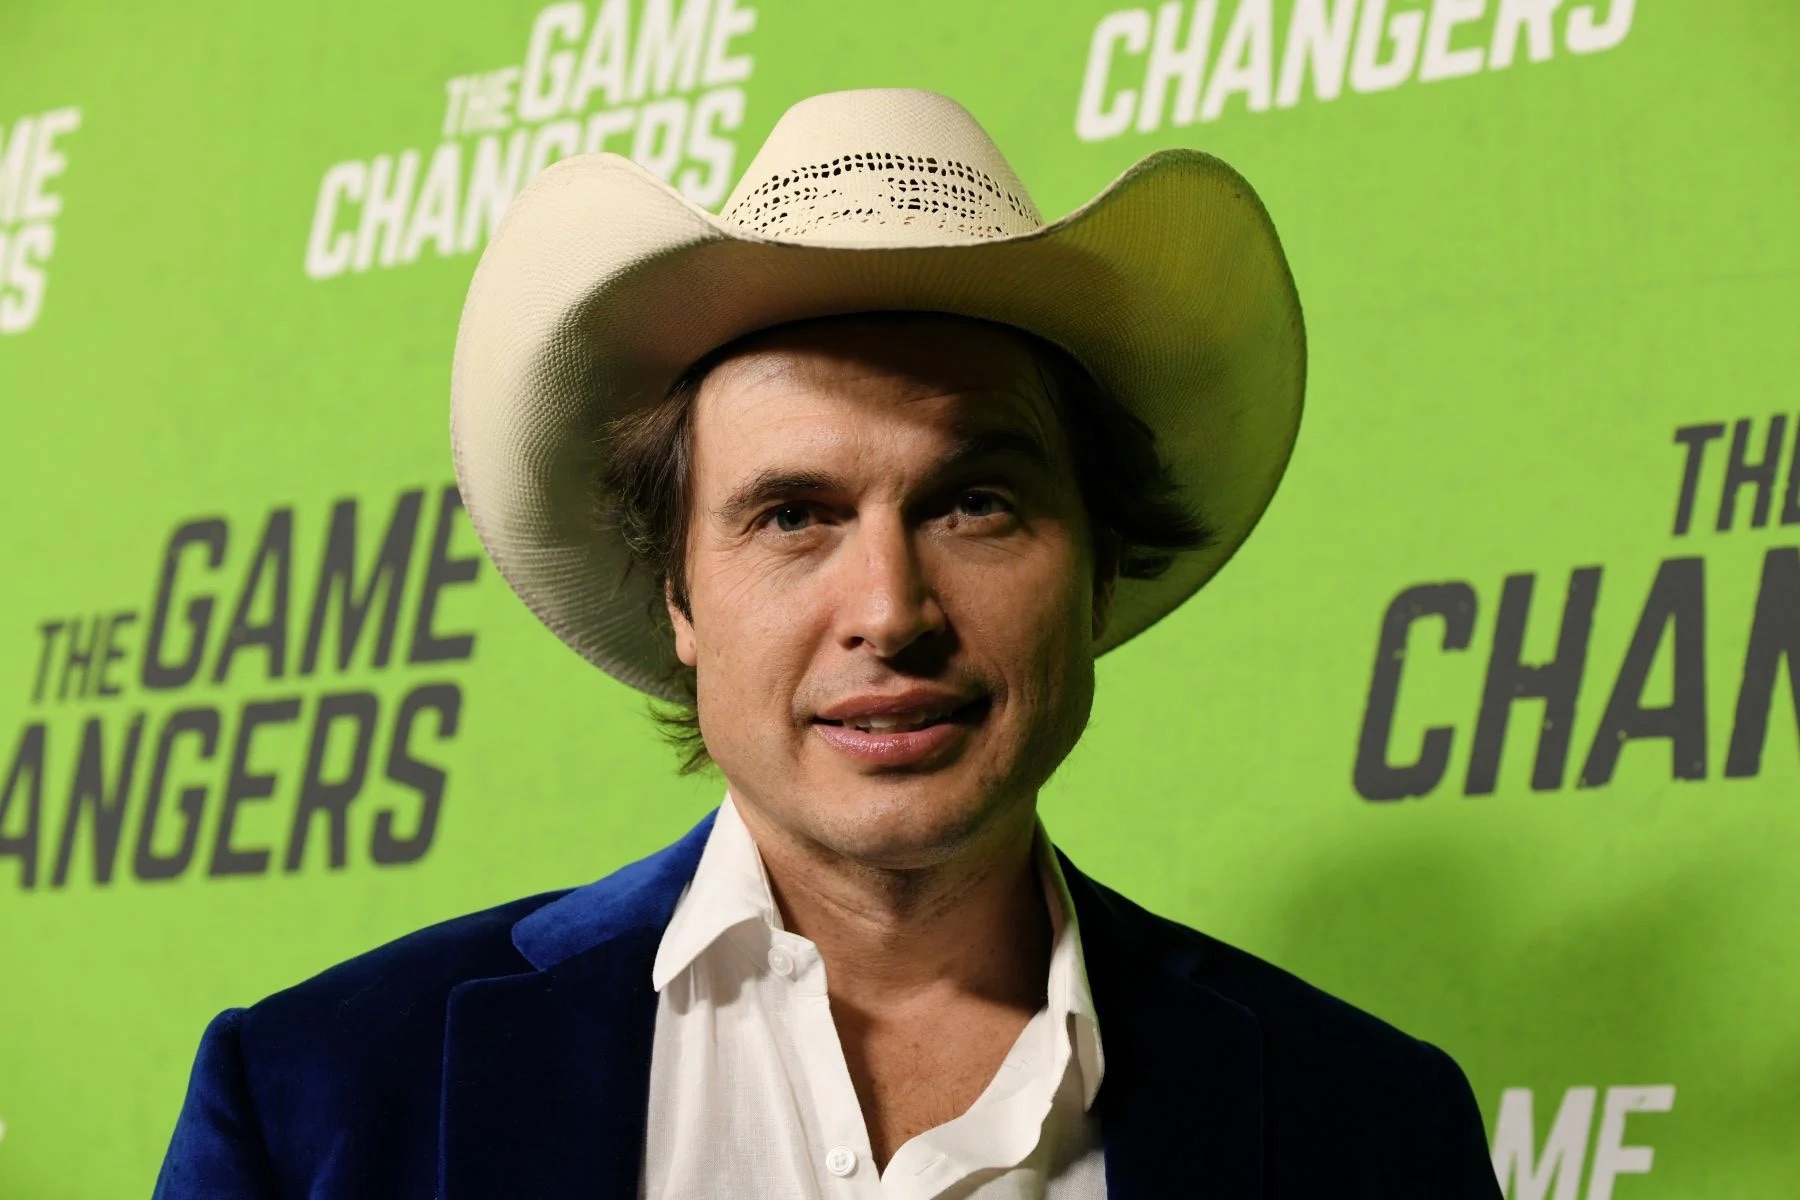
<point>638,897</point>
<point>1181,1107</point>
<point>547,1073</point>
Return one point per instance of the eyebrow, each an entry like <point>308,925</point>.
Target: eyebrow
<point>995,443</point>
<point>776,483</point>
<point>769,485</point>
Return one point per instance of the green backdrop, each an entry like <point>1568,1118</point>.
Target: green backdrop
<point>1490,729</point>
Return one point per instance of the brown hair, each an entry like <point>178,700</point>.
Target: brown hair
<point>1137,518</point>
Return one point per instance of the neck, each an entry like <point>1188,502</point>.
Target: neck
<point>972,928</point>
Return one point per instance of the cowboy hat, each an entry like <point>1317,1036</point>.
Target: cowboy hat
<point>602,284</point>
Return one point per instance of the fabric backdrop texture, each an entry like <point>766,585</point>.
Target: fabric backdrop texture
<point>1492,727</point>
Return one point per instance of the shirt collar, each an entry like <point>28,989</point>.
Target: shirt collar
<point>730,887</point>
<point>1067,991</point>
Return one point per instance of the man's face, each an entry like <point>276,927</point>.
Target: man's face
<point>891,583</point>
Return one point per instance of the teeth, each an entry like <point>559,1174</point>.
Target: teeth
<point>895,723</point>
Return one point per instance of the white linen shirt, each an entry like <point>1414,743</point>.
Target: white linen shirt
<point>750,1094</point>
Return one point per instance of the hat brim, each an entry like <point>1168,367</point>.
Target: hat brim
<point>602,284</point>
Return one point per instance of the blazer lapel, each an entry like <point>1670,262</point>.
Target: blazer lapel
<point>547,1073</point>
<point>1180,1104</point>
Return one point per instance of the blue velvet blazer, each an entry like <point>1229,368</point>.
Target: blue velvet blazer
<point>507,1054</point>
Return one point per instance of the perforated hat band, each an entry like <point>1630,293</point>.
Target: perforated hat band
<point>884,188</point>
<point>859,167</point>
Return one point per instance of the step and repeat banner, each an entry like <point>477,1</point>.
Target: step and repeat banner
<point>1490,729</point>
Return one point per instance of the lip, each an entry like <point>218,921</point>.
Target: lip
<point>909,748</point>
<point>882,704</point>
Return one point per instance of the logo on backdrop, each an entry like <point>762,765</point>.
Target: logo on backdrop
<point>1148,71</point>
<point>658,81</point>
<point>1555,1172</point>
<point>31,160</point>
<point>313,769</point>
<point>1731,475</point>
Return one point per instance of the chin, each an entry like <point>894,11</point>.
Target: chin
<point>909,822</point>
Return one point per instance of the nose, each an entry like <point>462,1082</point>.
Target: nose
<point>887,602</point>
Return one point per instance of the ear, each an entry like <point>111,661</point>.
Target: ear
<point>685,648</point>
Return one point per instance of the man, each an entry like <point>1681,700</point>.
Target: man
<point>860,477</point>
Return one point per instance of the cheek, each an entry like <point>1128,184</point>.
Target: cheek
<point>1065,663</point>
<point>1032,625</point>
<point>752,648</point>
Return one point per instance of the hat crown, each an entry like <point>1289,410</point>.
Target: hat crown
<point>880,166</point>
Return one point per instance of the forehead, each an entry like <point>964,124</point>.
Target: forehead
<point>815,383</point>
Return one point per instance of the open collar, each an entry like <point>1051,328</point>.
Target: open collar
<point>546,1073</point>
<point>730,886</point>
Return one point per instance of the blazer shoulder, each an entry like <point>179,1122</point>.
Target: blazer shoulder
<point>344,1067</point>
<point>374,1024</point>
<point>1352,1106</point>
<point>393,982</point>
<point>1299,1020</point>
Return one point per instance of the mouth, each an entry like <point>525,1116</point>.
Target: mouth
<point>914,735</point>
<point>911,721</point>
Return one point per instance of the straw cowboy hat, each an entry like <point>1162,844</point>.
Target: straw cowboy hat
<point>602,284</point>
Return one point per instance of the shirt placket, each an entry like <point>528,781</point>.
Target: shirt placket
<point>845,1164</point>
<point>1000,1130</point>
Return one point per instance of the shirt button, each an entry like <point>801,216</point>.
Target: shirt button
<point>840,1161</point>
<point>780,961</point>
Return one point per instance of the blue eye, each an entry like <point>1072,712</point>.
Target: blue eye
<point>790,518</point>
<point>979,504</point>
